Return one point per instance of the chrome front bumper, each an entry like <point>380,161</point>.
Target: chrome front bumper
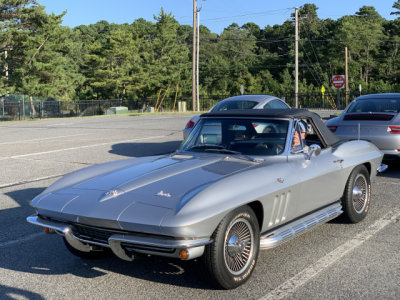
<point>125,245</point>
<point>381,168</point>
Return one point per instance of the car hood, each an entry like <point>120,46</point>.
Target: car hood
<point>159,182</point>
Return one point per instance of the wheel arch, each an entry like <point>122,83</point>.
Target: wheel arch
<point>368,166</point>
<point>258,210</point>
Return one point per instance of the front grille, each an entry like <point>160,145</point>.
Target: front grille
<point>101,235</point>
<point>368,117</point>
<point>94,234</point>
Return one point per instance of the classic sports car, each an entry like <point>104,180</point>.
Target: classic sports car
<point>375,118</point>
<point>240,102</point>
<point>229,191</point>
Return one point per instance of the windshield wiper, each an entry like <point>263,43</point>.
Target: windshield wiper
<point>221,149</point>
<point>207,146</point>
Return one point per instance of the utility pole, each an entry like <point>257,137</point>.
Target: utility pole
<point>296,55</point>
<point>6,64</point>
<point>194,55</point>
<point>197,59</point>
<point>346,74</point>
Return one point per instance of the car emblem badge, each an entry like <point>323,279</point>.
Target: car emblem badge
<point>162,194</point>
<point>280,180</point>
<point>112,193</point>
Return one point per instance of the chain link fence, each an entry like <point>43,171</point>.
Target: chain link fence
<point>17,107</point>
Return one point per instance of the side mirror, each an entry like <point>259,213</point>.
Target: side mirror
<point>313,149</point>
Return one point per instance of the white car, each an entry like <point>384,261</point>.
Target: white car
<point>240,102</point>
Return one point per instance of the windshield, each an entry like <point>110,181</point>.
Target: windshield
<point>228,105</point>
<point>238,136</point>
<point>375,105</point>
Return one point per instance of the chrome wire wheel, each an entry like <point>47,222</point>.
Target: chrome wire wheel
<point>238,246</point>
<point>360,193</point>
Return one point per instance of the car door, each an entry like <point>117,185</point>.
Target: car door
<point>319,177</point>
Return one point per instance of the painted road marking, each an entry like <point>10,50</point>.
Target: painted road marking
<point>58,124</point>
<point>81,147</point>
<point>21,240</point>
<point>289,287</point>
<point>42,139</point>
<point>30,181</point>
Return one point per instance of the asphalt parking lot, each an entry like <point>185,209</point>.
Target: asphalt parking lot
<point>334,261</point>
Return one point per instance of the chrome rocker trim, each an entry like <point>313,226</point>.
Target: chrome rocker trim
<point>119,244</point>
<point>300,226</point>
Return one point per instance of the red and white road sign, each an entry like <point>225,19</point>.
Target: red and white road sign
<point>338,81</point>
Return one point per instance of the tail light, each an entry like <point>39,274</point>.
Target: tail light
<point>332,128</point>
<point>394,129</point>
<point>190,124</point>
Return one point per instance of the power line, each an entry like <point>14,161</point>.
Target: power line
<point>319,81</point>
<point>229,17</point>
<point>291,40</point>
<point>278,11</point>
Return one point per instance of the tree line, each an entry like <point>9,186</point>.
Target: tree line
<point>149,59</point>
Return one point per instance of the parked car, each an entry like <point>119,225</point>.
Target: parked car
<point>226,193</point>
<point>240,102</point>
<point>373,117</point>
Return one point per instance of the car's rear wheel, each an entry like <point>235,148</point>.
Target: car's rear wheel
<point>231,258</point>
<point>357,195</point>
<point>98,252</point>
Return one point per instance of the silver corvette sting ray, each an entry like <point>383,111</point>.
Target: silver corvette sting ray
<point>242,181</point>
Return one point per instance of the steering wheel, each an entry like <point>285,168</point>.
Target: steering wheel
<point>270,148</point>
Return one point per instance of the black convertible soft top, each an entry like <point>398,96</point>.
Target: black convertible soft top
<point>293,113</point>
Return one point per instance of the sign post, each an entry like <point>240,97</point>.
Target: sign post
<point>338,83</point>
<point>323,96</point>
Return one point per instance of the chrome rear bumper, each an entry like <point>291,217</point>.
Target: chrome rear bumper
<point>125,245</point>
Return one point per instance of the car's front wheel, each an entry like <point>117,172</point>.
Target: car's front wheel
<point>231,258</point>
<point>357,195</point>
<point>99,252</point>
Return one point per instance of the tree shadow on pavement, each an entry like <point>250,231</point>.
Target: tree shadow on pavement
<point>14,293</point>
<point>13,220</point>
<point>144,149</point>
<point>393,170</point>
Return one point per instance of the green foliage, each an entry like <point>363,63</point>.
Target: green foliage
<point>396,5</point>
<point>145,59</point>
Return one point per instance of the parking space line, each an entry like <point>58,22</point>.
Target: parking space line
<point>21,240</point>
<point>42,139</point>
<point>29,181</point>
<point>289,287</point>
<point>388,182</point>
<point>82,147</point>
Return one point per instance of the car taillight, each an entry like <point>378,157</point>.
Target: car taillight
<point>190,124</point>
<point>394,129</point>
<point>332,128</point>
